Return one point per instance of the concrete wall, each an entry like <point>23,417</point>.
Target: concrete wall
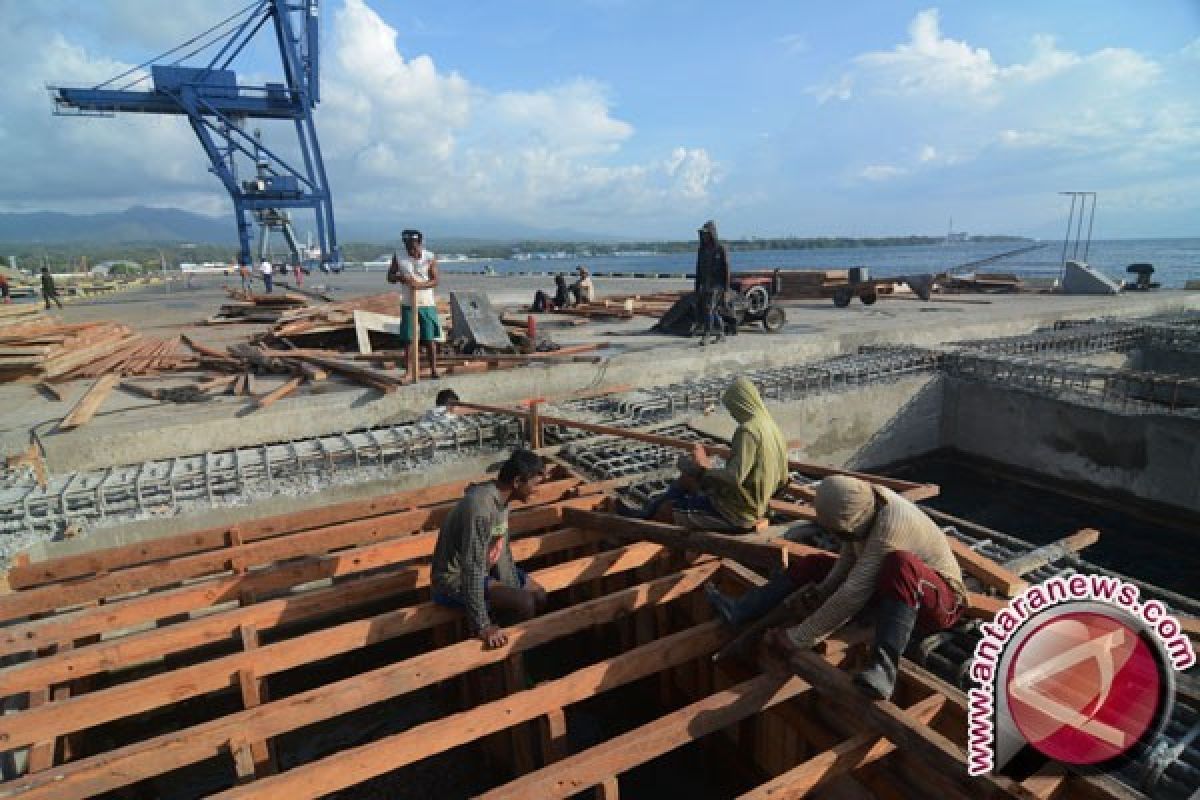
<point>1155,457</point>
<point>1165,360</point>
<point>868,427</point>
<point>127,532</point>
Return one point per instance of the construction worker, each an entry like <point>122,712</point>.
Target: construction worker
<point>49,290</point>
<point>5,292</point>
<point>298,273</point>
<point>418,270</point>
<point>734,497</point>
<point>473,567</point>
<point>247,281</point>
<point>891,553</point>
<point>711,283</point>
<point>583,289</point>
<point>268,275</point>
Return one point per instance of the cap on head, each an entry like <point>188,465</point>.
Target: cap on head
<point>411,235</point>
<point>845,505</point>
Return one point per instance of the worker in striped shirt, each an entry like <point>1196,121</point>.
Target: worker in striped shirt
<point>892,554</point>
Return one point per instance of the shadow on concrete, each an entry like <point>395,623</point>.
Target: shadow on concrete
<point>913,431</point>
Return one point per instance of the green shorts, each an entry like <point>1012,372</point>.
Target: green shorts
<point>429,327</point>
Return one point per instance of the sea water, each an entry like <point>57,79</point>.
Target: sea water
<point>1175,261</point>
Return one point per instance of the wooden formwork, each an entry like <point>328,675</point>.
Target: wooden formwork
<point>118,636</point>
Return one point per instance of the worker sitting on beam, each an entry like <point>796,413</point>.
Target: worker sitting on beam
<point>733,497</point>
<point>891,553</point>
<point>473,567</point>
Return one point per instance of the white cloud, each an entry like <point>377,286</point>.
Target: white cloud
<point>928,153</point>
<point>841,89</point>
<point>438,141</point>
<point>1192,49</point>
<point>929,62</point>
<point>401,134</point>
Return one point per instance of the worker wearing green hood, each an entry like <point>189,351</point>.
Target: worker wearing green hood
<point>733,497</point>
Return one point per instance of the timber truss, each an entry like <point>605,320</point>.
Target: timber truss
<point>300,655</point>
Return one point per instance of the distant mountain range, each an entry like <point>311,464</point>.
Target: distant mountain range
<point>172,226</point>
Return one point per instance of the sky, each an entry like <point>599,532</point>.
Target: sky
<point>644,118</point>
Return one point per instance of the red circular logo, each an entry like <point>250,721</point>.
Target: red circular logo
<point>1083,687</point>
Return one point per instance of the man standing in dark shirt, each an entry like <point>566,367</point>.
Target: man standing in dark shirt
<point>49,290</point>
<point>473,566</point>
<point>712,281</point>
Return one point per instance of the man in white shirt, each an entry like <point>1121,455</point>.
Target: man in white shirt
<point>583,288</point>
<point>418,271</point>
<point>267,274</point>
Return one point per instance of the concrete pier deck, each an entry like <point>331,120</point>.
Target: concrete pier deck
<point>130,429</point>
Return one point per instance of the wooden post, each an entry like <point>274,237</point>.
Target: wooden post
<point>535,426</point>
<point>251,758</point>
<point>514,682</point>
<point>413,367</point>
<point>552,730</point>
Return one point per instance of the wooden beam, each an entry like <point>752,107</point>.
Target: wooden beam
<point>591,767</point>
<point>254,694</point>
<point>349,768</point>
<point>852,754</point>
<point>992,574</point>
<point>759,554</point>
<point>1044,555</point>
<point>307,543</point>
<point>90,402</point>
<point>220,626</point>
<point>904,730</point>
<point>124,556</point>
<point>126,699</point>
<point>132,763</point>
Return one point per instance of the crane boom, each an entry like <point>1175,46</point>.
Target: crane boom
<point>218,108</point>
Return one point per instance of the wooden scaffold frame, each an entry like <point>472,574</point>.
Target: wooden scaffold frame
<point>228,609</point>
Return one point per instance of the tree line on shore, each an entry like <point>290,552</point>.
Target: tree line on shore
<point>73,256</point>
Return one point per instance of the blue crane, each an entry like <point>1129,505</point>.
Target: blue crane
<point>218,109</point>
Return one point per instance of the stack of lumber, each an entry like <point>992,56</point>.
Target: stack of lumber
<point>256,308</point>
<point>334,317</point>
<point>16,314</point>
<point>53,351</point>
<point>625,306</point>
<point>141,356</point>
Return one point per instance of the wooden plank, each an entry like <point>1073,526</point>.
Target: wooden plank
<point>1042,556</point>
<point>279,393</point>
<point>362,763</point>
<point>904,730</point>
<point>760,554</point>
<point>617,755</point>
<point>166,688</point>
<point>825,767</point>
<point>89,403</point>
<point>221,626</point>
<point>123,556</point>
<point>1047,782</point>
<point>160,754</point>
<point>307,543</point>
<point>980,566</point>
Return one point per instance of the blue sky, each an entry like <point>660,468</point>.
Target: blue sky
<point>643,118</point>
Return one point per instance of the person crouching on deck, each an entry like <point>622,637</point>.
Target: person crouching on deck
<point>473,567</point>
<point>891,553</point>
<point>734,497</point>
